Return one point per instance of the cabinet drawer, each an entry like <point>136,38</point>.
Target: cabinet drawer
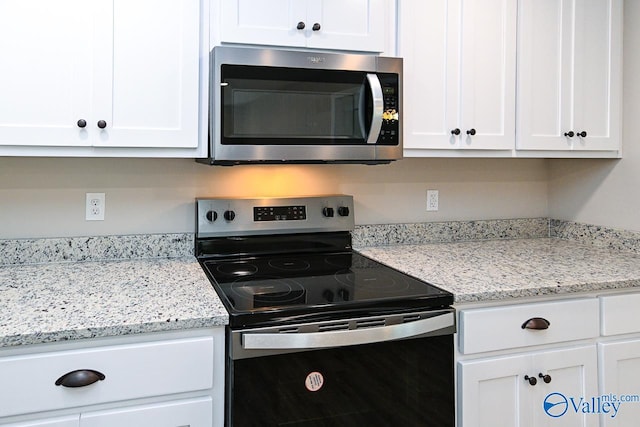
<point>620,314</point>
<point>130,372</point>
<point>499,328</point>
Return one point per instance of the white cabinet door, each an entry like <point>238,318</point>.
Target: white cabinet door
<point>569,75</point>
<point>105,73</point>
<point>347,25</point>
<point>192,413</point>
<point>492,392</point>
<point>272,22</point>
<point>45,87</point>
<point>146,83</point>
<point>488,74</point>
<point>459,74</point>
<point>620,375</point>
<point>573,375</point>
<point>70,421</point>
<point>356,25</point>
<point>428,40</point>
<point>497,391</point>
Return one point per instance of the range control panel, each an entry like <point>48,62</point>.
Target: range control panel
<point>218,217</point>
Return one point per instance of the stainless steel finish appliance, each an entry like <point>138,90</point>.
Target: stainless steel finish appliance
<point>274,106</point>
<point>320,335</point>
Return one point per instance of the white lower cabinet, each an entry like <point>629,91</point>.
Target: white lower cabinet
<point>528,365</point>
<point>583,361</point>
<point>160,380</point>
<point>192,413</point>
<point>620,358</point>
<point>513,390</point>
<point>71,421</point>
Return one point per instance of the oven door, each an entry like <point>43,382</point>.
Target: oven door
<point>388,376</point>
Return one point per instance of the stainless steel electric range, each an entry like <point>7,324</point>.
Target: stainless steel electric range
<point>320,335</point>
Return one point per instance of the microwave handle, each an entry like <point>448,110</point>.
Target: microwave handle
<point>378,108</point>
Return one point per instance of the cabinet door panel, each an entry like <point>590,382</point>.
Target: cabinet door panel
<point>569,74</point>
<point>193,413</point>
<point>428,41</point>
<point>594,65</point>
<point>573,373</point>
<point>488,70</point>
<point>70,421</point>
<point>544,89</point>
<point>490,392</point>
<point>347,25</point>
<point>270,22</point>
<point>149,96</point>
<point>620,375</point>
<point>46,64</point>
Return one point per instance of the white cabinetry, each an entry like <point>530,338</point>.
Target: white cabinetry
<point>193,413</point>
<point>357,25</point>
<point>620,357</point>
<point>159,383</point>
<point>71,421</point>
<point>93,78</point>
<point>459,76</point>
<point>497,391</point>
<point>570,75</point>
<point>512,357</point>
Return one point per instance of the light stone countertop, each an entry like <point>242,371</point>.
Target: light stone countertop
<point>49,302</point>
<point>507,269</point>
<point>89,287</point>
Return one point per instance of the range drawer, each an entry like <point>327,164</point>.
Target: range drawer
<point>130,372</point>
<point>500,328</point>
<point>620,314</point>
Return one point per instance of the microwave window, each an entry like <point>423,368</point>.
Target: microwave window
<point>293,105</point>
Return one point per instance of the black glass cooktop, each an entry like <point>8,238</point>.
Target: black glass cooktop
<point>289,288</point>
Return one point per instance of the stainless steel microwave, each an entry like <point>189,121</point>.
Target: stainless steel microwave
<point>275,106</point>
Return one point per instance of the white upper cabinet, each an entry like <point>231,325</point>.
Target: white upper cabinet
<point>459,75</point>
<point>569,75</point>
<point>46,69</point>
<point>146,74</point>
<point>357,25</point>
<point>101,74</point>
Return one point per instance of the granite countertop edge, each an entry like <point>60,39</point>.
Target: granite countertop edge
<point>66,301</point>
<point>515,294</point>
<point>508,270</point>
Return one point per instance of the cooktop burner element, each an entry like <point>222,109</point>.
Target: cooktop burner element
<point>284,270</point>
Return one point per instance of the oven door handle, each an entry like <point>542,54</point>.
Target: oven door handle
<point>280,341</point>
<point>378,108</point>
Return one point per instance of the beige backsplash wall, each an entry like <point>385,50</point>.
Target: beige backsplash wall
<point>42,197</point>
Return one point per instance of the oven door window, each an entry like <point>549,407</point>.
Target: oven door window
<point>399,383</point>
<point>261,105</point>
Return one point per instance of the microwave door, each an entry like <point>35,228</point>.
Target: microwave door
<point>377,100</point>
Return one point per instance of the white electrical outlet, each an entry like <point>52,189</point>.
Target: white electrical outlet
<point>94,207</point>
<point>432,200</point>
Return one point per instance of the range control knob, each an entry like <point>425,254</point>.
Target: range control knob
<point>343,210</point>
<point>327,212</point>
<point>229,215</point>
<point>212,216</point>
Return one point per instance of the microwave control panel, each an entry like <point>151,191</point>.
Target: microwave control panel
<point>390,130</point>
